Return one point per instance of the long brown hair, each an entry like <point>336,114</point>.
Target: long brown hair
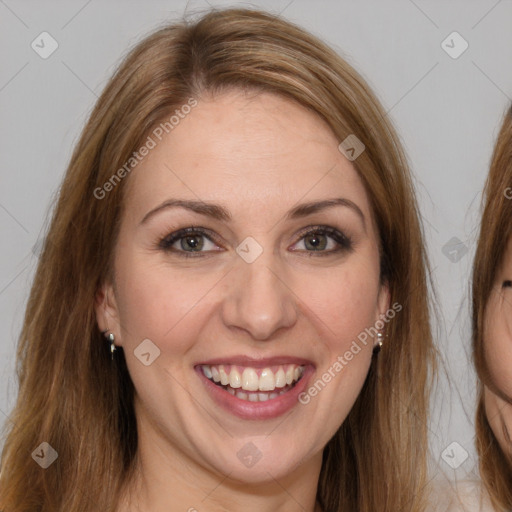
<point>72,397</point>
<point>495,232</point>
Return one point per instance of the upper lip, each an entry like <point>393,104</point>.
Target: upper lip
<point>243,360</point>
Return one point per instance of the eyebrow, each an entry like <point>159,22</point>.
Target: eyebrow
<point>218,212</point>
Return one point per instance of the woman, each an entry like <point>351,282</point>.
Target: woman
<point>492,333</point>
<point>235,239</point>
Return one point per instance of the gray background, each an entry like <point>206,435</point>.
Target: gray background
<point>447,111</point>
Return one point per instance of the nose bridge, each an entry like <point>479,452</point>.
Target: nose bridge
<point>258,299</point>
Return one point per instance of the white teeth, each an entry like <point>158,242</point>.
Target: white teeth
<point>250,380</point>
<point>255,397</point>
<point>207,371</point>
<point>235,380</point>
<point>267,380</point>
<point>280,378</point>
<point>224,379</point>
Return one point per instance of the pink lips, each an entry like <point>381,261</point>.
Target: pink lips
<point>245,409</point>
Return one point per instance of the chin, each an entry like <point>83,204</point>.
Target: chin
<point>255,466</point>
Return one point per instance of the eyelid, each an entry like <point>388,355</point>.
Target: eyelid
<point>320,227</point>
<point>343,241</point>
<point>172,237</point>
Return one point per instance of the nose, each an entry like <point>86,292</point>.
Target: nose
<point>259,300</point>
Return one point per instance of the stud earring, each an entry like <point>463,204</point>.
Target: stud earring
<point>378,346</point>
<point>112,344</point>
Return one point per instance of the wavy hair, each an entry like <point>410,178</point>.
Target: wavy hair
<point>71,396</point>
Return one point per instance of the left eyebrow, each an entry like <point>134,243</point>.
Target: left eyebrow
<point>313,207</point>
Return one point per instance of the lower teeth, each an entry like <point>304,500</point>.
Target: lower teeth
<point>255,396</point>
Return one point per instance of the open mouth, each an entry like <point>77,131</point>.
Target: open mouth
<point>254,384</point>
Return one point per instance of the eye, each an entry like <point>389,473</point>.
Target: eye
<point>506,284</point>
<point>188,241</point>
<point>192,241</point>
<point>319,238</point>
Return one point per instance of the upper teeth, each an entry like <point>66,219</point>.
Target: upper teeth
<point>253,379</point>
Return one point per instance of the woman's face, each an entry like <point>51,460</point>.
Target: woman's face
<point>498,353</point>
<point>246,296</point>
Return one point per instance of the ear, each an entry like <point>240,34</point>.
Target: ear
<point>383,301</point>
<point>382,307</point>
<point>107,314</point>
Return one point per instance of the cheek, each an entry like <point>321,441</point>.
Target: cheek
<point>498,345</point>
<point>160,304</point>
<point>499,415</point>
<point>343,299</point>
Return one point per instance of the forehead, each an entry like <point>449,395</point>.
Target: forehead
<point>257,150</point>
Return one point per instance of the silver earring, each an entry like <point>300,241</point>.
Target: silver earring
<point>378,346</point>
<point>112,344</point>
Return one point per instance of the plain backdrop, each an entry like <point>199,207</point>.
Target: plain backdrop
<point>446,104</point>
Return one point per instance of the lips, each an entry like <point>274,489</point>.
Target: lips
<point>255,388</point>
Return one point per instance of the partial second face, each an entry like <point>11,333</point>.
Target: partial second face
<point>498,354</point>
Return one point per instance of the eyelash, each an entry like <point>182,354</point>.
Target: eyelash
<point>344,242</point>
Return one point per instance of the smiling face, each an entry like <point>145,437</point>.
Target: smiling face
<point>498,353</point>
<point>260,293</point>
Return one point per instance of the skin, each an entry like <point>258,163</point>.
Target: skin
<point>259,155</point>
<point>498,354</point>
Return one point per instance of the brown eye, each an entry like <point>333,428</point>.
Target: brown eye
<point>506,284</point>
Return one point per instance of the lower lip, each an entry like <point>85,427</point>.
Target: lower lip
<point>271,408</point>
